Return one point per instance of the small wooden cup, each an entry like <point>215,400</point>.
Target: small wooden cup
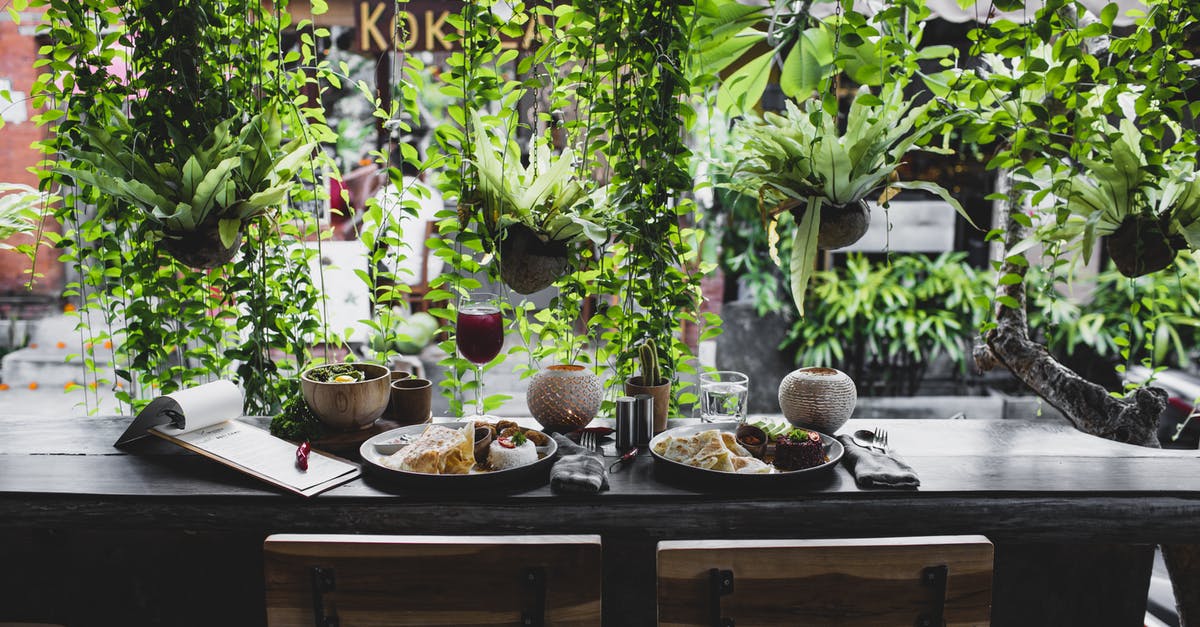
<point>412,400</point>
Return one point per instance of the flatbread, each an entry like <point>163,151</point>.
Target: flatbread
<point>437,451</point>
<point>711,450</point>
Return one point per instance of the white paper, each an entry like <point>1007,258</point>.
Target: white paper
<point>259,451</point>
<point>208,404</point>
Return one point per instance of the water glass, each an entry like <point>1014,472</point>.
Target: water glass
<point>723,396</point>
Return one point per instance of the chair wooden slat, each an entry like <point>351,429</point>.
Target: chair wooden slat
<point>433,580</point>
<point>841,582</point>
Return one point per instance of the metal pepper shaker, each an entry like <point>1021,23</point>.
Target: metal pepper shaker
<point>643,419</point>
<point>626,423</point>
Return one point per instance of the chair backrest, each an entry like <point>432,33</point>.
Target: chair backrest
<point>851,582</point>
<point>349,580</point>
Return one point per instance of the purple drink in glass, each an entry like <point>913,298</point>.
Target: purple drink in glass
<point>480,332</point>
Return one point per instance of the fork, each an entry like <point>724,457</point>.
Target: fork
<point>880,440</point>
<point>589,441</point>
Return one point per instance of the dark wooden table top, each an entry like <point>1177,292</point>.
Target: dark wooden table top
<point>1032,480</point>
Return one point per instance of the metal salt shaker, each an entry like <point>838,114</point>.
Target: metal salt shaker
<point>626,423</point>
<point>643,419</point>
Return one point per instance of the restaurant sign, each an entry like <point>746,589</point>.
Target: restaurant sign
<point>420,25</point>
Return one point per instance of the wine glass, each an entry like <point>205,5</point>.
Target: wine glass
<point>479,334</point>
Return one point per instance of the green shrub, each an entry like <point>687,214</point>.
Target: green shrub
<point>883,323</point>
<point>1153,320</point>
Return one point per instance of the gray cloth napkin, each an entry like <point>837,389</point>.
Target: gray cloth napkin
<point>873,469</point>
<point>578,470</point>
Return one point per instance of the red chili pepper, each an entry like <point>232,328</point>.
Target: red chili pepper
<point>302,455</point>
<point>506,443</point>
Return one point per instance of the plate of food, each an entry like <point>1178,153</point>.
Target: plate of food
<point>745,452</point>
<point>465,454</point>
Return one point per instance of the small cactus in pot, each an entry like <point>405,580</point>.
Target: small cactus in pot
<point>652,382</point>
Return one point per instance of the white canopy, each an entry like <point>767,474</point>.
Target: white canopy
<point>950,10</point>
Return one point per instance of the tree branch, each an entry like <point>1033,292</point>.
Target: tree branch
<point>1089,407</point>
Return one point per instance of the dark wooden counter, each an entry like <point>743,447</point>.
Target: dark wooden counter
<point>1022,484</point>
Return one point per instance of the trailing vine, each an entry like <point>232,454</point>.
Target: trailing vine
<point>162,324</point>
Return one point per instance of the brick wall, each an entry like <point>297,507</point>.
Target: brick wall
<point>20,48</point>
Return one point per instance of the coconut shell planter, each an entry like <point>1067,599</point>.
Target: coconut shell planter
<point>841,225</point>
<point>201,249</point>
<point>1141,246</point>
<point>528,264</point>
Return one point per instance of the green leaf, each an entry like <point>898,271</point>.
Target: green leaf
<point>208,188</point>
<point>716,58</point>
<point>935,52</point>
<point>229,230</point>
<point>809,62</point>
<point>940,192</point>
<point>804,252</point>
<point>744,88</point>
<point>725,11</point>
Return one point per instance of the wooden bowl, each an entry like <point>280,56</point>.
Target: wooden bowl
<point>348,406</point>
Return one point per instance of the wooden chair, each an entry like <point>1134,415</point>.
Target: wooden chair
<point>923,581</point>
<point>348,580</point>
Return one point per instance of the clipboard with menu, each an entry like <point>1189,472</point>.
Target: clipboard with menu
<point>205,420</point>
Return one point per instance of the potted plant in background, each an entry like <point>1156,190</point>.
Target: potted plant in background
<point>536,213</point>
<point>21,210</point>
<point>197,204</point>
<point>651,382</point>
<point>800,165</point>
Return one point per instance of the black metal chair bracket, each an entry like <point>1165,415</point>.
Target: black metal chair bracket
<point>534,582</point>
<point>322,582</point>
<point>720,583</point>
<point>935,577</point>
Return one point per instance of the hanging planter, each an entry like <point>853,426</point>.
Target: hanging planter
<point>537,212</point>
<point>1147,217</point>
<point>841,225</point>
<point>1141,246</point>
<point>806,163</point>
<point>202,248</point>
<point>527,264</point>
<point>200,201</point>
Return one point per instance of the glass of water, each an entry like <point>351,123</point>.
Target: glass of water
<point>723,396</point>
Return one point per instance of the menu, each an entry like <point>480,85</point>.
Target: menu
<point>205,419</point>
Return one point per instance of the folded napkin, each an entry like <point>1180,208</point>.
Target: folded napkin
<point>578,470</point>
<point>873,469</point>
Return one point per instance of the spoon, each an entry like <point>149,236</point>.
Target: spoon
<point>391,447</point>
<point>864,438</point>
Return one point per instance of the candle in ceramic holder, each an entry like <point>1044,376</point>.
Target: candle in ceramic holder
<point>821,399</point>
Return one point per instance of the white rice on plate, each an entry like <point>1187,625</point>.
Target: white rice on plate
<point>503,458</point>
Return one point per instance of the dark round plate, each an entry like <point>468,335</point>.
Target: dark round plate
<point>833,450</point>
<point>372,461</point>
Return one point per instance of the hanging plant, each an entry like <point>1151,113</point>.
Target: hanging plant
<point>1148,214</point>
<point>536,213</point>
<point>802,165</point>
<point>187,141</point>
<point>196,205</point>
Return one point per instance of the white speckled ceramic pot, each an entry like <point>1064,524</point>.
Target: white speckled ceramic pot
<point>817,398</point>
<point>564,397</point>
